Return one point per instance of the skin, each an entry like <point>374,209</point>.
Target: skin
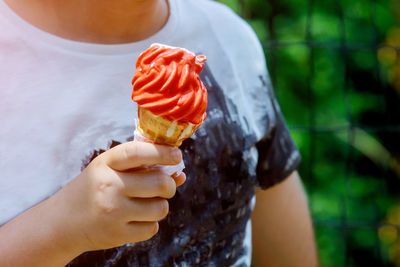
<point>114,201</point>
<point>95,21</point>
<point>282,230</point>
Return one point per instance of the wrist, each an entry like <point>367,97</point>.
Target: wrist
<point>37,238</point>
<point>63,229</point>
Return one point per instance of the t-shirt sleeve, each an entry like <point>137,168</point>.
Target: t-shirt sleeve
<point>278,155</point>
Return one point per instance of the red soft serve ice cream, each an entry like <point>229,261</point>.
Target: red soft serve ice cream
<point>167,83</point>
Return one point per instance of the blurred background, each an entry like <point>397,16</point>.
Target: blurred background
<point>335,66</point>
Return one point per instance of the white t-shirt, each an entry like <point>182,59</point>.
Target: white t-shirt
<point>60,100</point>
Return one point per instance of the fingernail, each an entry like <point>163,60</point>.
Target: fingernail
<point>176,154</point>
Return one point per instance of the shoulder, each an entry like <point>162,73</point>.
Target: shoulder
<point>224,19</point>
<point>236,59</point>
<point>233,32</point>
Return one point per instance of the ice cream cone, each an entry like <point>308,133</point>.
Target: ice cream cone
<point>171,98</point>
<point>164,131</point>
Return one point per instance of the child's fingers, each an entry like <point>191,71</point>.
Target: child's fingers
<point>147,184</point>
<point>145,209</point>
<point>140,231</point>
<point>179,179</point>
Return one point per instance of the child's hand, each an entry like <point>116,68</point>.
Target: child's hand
<point>114,201</point>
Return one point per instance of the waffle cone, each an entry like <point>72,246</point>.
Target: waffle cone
<point>163,131</point>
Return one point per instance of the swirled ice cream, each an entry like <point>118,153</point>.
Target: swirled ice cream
<point>171,98</point>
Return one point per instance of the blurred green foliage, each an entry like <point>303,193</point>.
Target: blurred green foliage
<point>335,66</point>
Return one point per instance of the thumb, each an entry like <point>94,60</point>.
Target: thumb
<point>135,154</point>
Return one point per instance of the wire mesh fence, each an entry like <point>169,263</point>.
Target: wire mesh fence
<point>335,67</point>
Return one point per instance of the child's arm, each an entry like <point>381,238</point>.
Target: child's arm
<point>282,228</point>
<point>109,204</point>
